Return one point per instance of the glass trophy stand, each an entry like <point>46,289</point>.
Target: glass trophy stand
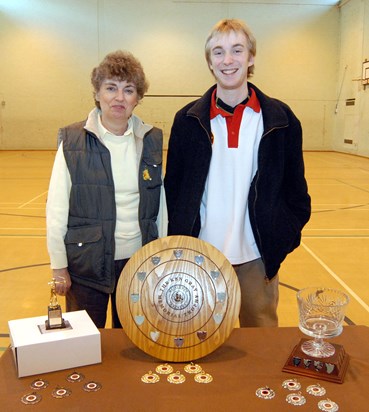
<point>321,314</point>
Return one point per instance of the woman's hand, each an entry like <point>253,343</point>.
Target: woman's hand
<point>62,281</point>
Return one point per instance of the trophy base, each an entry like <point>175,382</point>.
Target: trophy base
<point>332,369</point>
<point>43,327</point>
<point>61,325</point>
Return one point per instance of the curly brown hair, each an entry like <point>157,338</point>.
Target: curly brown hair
<point>122,66</point>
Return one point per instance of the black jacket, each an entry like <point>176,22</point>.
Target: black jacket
<point>279,202</point>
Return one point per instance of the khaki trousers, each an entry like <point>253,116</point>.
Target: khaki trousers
<point>259,297</point>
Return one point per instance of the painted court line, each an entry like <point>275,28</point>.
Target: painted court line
<point>343,237</point>
<point>337,278</point>
<point>336,229</point>
<point>27,203</point>
<point>23,237</point>
<point>22,228</point>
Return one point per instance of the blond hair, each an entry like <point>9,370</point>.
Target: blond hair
<point>226,26</point>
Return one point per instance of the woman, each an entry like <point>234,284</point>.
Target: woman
<point>105,190</point>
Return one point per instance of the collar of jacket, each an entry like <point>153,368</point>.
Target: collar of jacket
<point>274,115</point>
<point>139,127</point>
<point>201,110</point>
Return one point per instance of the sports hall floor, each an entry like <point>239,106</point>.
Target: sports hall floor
<point>334,251</point>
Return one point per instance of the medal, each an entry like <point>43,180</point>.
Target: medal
<point>39,384</point>
<point>265,393</point>
<point>61,392</point>
<point>291,385</point>
<point>315,390</point>
<point>192,368</point>
<point>75,377</point>
<point>164,369</point>
<point>31,398</point>
<point>296,399</point>
<point>150,378</point>
<point>203,377</point>
<point>176,378</point>
<point>328,406</point>
<point>92,386</point>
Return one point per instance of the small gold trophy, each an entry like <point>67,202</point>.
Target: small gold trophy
<point>55,316</point>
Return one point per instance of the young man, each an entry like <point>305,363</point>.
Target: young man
<point>235,173</point>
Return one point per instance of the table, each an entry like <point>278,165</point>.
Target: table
<point>249,359</point>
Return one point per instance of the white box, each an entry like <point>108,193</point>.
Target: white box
<point>36,352</point>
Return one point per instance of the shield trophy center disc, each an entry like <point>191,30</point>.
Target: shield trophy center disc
<point>178,298</point>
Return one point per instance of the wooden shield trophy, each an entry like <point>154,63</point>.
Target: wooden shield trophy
<point>178,298</point>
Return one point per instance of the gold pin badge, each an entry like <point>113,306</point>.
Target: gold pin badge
<point>146,175</point>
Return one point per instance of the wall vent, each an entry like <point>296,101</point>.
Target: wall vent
<point>350,102</point>
<point>348,141</point>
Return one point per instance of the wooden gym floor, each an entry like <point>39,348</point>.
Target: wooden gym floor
<point>334,251</point>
